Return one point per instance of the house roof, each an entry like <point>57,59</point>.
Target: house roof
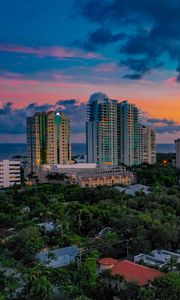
<point>132,189</point>
<point>71,250</point>
<point>134,272</point>
<point>63,256</point>
<point>107,261</point>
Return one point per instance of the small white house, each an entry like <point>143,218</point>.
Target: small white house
<point>148,260</point>
<point>165,255</point>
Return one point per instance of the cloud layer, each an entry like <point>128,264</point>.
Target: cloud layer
<point>54,51</point>
<point>12,120</point>
<point>150,30</point>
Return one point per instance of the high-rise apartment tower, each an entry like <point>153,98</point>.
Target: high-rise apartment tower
<point>177,142</point>
<point>128,134</point>
<point>101,130</point>
<point>48,139</point>
<point>148,146</point>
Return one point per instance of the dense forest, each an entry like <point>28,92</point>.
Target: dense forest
<point>139,224</point>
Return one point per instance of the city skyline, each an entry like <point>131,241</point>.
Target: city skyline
<point>55,55</point>
<point>115,135</point>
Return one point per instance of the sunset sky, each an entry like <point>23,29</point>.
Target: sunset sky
<point>55,54</point>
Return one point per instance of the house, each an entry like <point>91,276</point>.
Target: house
<point>165,256</point>
<point>133,189</point>
<point>104,231</point>
<point>131,271</point>
<point>49,226</point>
<point>107,263</point>
<point>148,260</point>
<point>59,257</point>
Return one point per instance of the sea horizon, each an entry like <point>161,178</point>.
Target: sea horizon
<point>8,150</point>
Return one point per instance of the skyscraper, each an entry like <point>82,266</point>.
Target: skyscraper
<point>128,134</point>
<point>177,142</point>
<point>101,130</point>
<point>48,139</point>
<point>148,145</point>
<point>114,135</point>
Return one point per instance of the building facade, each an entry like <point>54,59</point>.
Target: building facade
<point>114,135</point>
<point>128,134</point>
<point>10,173</point>
<point>101,130</point>
<point>105,176</point>
<point>177,143</point>
<point>148,145</point>
<point>48,139</point>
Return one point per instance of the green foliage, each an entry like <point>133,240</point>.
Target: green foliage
<point>168,287</point>
<point>141,223</point>
<point>26,243</point>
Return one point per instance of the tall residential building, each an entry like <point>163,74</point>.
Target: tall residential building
<point>48,139</point>
<point>9,173</point>
<point>128,134</point>
<point>101,130</point>
<point>177,142</point>
<point>148,145</point>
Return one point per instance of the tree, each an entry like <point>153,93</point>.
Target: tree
<point>37,284</point>
<point>167,287</point>
<point>26,243</point>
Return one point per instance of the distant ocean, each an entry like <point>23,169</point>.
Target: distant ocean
<point>9,150</point>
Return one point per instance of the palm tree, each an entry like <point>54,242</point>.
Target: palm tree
<point>37,284</point>
<point>172,263</point>
<point>147,293</point>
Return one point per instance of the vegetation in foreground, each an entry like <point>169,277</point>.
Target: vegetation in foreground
<point>139,224</point>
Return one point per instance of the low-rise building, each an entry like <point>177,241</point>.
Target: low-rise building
<point>133,189</point>
<point>157,258</point>
<point>71,170</point>
<point>108,175</point>
<point>165,255</point>
<point>148,260</point>
<point>87,174</point>
<point>129,271</point>
<point>106,263</point>
<point>59,257</point>
<point>10,173</point>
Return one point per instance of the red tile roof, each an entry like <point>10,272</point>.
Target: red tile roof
<point>134,272</point>
<point>108,261</point>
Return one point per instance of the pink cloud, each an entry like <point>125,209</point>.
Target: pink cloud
<point>107,67</point>
<point>54,51</point>
<point>170,81</point>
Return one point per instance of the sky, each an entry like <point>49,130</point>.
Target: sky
<point>55,54</point>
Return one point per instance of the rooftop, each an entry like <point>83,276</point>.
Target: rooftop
<point>107,261</point>
<point>134,272</point>
<point>62,256</point>
<point>132,189</point>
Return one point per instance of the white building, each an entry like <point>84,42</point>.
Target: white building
<point>165,255</point>
<point>9,173</point>
<point>149,260</point>
<point>133,189</point>
<point>159,258</point>
<point>69,169</point>
<point>101,130</point>
<point>73,167</point>
<point>128,134</point>
<point>148,144</point>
